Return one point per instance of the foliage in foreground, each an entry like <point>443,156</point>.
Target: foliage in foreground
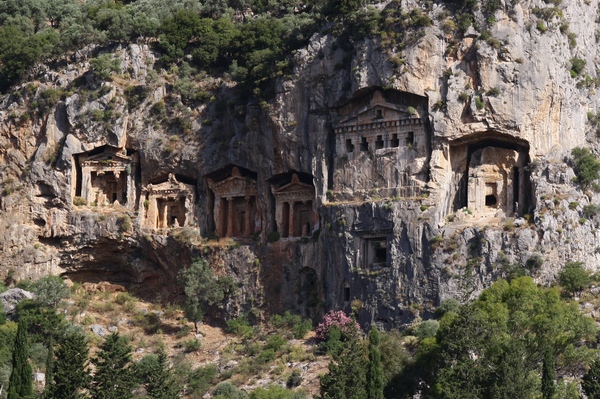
<point>20,386</point>
<point>496,346</point>
<point>516,340</point>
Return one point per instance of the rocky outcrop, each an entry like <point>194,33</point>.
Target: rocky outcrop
<point>11,298</point>
<point>391,251</point>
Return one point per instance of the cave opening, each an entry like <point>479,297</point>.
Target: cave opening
<point>490,174</point>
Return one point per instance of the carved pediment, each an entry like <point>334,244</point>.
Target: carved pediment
<point>108,158</point>
<point>237,185</point>
<point>170,188</point>
<point>295,188</point>
<point>234,186</point>
<point>379,113</point>
<point>376,110</point>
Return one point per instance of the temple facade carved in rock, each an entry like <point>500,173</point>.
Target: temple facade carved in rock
<point>168,204</point>
<point>295,208</point>
<point>236,211</point>
<point>106,175</point>
<point>381,143</point>
<point>490,175</point>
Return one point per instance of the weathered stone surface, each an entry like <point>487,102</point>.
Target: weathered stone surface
<point>98,330</point>
<point>396,253</point>
<point>11,298</point>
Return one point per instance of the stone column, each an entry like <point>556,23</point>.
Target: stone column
<point>86,183</point>
<point>248,229</point>
<point>291,219</point>
<point>165,221</point>
<point>152,213</point>
<point>522,193</point>
<point>229,231</point>
<point>130,190</point>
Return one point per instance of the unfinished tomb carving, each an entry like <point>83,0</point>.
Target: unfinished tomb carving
<point>295,208</point>
<point>169,204</point>
<point>235,207</point>
<point>106,175</point>
<point>490,175</point>
<point>382,143</point>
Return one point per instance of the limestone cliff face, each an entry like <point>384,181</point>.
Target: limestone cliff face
<point>420,170</point>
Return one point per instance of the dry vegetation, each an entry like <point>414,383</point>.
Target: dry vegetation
<point>247,356</point>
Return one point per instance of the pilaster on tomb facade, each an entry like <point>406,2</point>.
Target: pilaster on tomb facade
<point>295,208</point>
<point>169,204</point>
<point>381,143</point>
<point>236,210</point>
<point>106,175</point>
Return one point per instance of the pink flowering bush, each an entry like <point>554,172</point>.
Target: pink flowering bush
<point>335,319</point>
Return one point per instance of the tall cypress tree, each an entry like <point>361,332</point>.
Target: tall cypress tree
<point>49,366</point>
<point>375,369</point>
<point>20,385</point>
<point>113,378</point>
<point>548,373</point>
<point>346,378</point>
<point>70,373</point>
<point>160,382</point>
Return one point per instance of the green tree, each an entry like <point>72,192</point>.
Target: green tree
<point>113,378</point>
<point>494,347</point>
<point>229,391</point>
<point>70,372</point>
<point>590,383</point>
<point>201,288</point>
<point>574,277</point>
<point>548,372</point>
<point>159,381</point>
<point>346,378</point>
<point>50,290</point>
<point>586,166</point>
<point>104,66</point>
<point>49,365</point>
<point>374,370</point>
<point>20,386</point>
<point>42,322</point>
<point>342,9</point>
<point>258,46</point>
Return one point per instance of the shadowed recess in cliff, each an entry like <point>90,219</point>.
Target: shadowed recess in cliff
<point>490,174</point>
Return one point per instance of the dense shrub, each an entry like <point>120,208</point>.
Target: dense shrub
<point>337,319</point>
<point>586,166</point>
<point>227,390</point>
<point>295,323</point>
<point>574,277</point>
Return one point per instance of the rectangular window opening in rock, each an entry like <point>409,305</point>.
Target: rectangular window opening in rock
<point>410,139</point>
<point>349,146</point>
<point>364,144</point>
<point>379,142</point>
<point>395,142</point>
<point>376,252</point>
<point>491,195</point>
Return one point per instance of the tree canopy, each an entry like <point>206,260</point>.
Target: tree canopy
<point>496,346</point>
<point>201,288</point>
